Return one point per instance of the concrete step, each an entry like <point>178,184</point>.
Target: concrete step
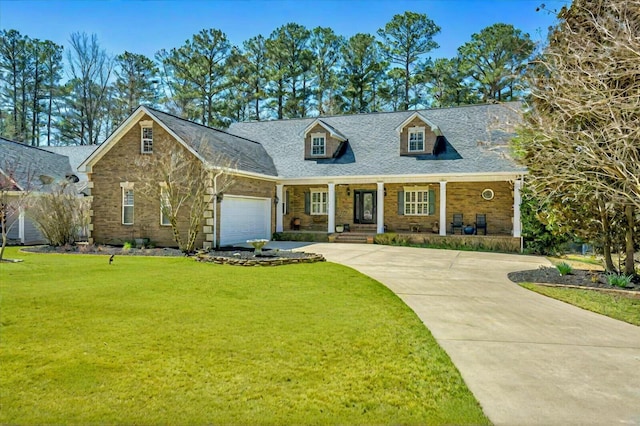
<point>353,237</point>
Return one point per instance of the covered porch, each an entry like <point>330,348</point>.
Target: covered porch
<point>484,207</point>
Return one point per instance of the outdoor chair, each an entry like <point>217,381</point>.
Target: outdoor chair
<point>481,223</point>
<point>457,223</point>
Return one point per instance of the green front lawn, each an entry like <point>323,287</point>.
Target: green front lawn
<point>620,307</point>
<point>170,340</point>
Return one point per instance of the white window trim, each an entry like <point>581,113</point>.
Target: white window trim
<point>321,209</point>
<point>324,144</point>
<point>424,203</point>
<point>163,196</point>
<point>415,130</point>
<point>146,125</point>
<point>127,186</point>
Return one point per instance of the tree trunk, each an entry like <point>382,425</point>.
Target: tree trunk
<point>629,265</point>
<point>606,244</point>
<point>406,86</point>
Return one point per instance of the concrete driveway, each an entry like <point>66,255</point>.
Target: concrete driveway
<point>528,359</point>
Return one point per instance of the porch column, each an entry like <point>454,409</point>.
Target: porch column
<point>443,208</point>
<point>331,208</point>
<point>517,199</point>
<point>279,208</point>
<point>380,208</point>
<point>21,235</point>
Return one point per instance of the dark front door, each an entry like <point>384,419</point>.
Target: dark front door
<point>364,207</point>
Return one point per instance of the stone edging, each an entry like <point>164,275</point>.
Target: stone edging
<point>632,293</point>
<point>265,261</point>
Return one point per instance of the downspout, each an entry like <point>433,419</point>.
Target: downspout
<point>215,209</point>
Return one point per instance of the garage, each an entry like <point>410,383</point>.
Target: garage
<point>244,218</point>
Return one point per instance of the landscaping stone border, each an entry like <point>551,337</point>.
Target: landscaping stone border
<point>259,261</point>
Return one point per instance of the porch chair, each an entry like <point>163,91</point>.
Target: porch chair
<point>457,223</point>
<point>481,223</point>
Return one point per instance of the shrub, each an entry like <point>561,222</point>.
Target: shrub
<point>127,246</point>
<point>392,239</point>
<point>564,268</point>
<point>619,280</point>
<point>60,214</point>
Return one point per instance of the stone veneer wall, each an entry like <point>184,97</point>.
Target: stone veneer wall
<point>118,165</point>
<point>462,197</point>
<point>465,198</point>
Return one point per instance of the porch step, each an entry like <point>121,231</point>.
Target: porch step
<point>353,237</point>
<point>363,228</point>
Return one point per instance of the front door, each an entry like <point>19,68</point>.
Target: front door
<point>364,207</point>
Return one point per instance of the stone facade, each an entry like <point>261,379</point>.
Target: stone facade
<point>117,166</point>
<point>466,198</point>
<point>462,197</point>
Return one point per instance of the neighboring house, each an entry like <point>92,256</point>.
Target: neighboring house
<point>76,154</point>
<point>408,171</point>
<point>27,169</point>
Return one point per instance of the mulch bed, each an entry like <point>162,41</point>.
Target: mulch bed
<point>580,278</point>
<point>103,249</point>
<point>240,256</point>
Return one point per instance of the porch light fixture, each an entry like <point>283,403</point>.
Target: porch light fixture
<point>348,191</point>
<point>276,200</point>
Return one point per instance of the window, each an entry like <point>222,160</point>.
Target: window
<point>317,144</point>
<point>318,202</point>
<point>147,140</point>
<point>416,139</point>
<point>146,137</point>
<point>416,201</point>
<point>127,206</point>
<point>165,207</point>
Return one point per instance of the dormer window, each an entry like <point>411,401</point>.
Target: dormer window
<point>318,144</point>
<point>323,141</point>
<point>418,136</point>
<point>146,143</point>
<point>416,139</point>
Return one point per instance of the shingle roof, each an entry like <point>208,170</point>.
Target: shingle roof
<point>31,167</point>
<point>245,154</point>
<point>475,137</point>
<point>76,153</point>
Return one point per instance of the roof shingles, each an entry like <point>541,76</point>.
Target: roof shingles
<point>375,147</point>
<point>30,167</point>
<point>244,154</point>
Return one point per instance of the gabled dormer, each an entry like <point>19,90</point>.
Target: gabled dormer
<point>418,136</point>
<point>322,141</point>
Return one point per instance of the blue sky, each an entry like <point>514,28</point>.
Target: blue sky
<point>145,26</point>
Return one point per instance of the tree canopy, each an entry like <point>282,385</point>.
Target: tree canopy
<point>80,95</point>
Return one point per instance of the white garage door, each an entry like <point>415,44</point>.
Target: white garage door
<point>243,218</point>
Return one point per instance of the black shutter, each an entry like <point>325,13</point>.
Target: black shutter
<point>286,206</point>
<point>307,202</point>
<point>400,203</point>
<point>432,202</point>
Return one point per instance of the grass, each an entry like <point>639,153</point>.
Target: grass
<point>170,340</point>
<point>620,307</point>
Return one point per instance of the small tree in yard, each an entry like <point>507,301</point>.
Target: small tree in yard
<point>181,182</point>
<point>13,197</point>
<point>582,132</point>
<point>60,214</point>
